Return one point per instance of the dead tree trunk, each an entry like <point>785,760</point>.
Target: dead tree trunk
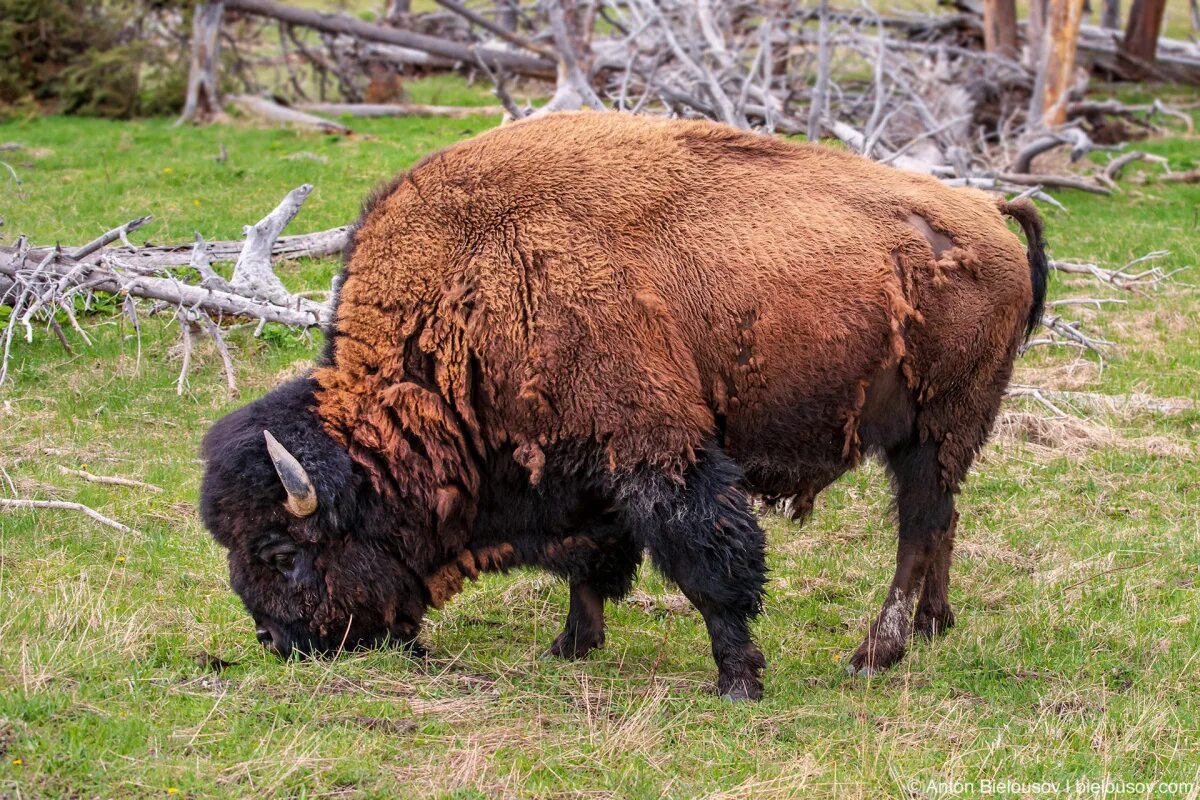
<point>397,9</point>
<point>572,28</point>
<point>1110,16</point>
<point>1035,35</point>
<point>203,98</point>
<point>1141,34</point>
<point>507,14</point>
<point>1056,72</point>
<point>1000,27</point>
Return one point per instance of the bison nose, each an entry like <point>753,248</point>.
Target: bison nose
<point>273,641</point>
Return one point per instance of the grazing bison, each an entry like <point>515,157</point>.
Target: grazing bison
<point>573,340</point>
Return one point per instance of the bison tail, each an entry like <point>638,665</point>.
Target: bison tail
<point>1039,267</point>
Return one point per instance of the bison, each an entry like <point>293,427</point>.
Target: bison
<point>573,340</point>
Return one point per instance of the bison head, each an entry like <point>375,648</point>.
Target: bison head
<point>313,552</point>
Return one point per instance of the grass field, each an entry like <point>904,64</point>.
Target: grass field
<point>1076,657</point>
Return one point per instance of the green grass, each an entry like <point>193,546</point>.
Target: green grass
<point>1075,581</point>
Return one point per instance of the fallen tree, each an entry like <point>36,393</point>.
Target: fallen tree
<point>496,58</point>
<point>42,286</point>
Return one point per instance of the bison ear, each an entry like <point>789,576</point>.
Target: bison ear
<point>302,497</point>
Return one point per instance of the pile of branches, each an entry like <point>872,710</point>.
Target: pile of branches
<point>47,287</point>
<point>916,91</point>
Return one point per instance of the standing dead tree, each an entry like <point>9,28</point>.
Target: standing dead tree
<point>203,100</point>
<point>1141,34</point>
<point>1000,27</point>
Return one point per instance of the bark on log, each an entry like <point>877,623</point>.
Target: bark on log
<point>203,98</point>
<point>345,24</point>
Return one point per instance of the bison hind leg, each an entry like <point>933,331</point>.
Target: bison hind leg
<point>701,534</point>
<point>925,507</point>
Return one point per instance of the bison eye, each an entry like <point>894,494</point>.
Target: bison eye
<point>279,553</point>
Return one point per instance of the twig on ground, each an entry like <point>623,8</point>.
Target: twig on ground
<point>65,506</point>
<point>110,480</point>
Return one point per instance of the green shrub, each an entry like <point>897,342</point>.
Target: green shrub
<point>105,58</point>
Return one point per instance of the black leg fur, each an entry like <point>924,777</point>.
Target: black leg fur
<point>934,615</point>
<point>926,512</point>
<point>609,577</point>
<point>702,536</point>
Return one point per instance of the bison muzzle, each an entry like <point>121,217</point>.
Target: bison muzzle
<point>572,341</point>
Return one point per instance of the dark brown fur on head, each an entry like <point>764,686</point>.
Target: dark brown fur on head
<point>312,584</point>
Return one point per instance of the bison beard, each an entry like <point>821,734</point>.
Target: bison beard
<point>576,340</point>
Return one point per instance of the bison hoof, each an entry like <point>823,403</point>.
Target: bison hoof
<point>874,656</point>
<point>574,645</point>
<point>930,623</point>
<point>739,689</point>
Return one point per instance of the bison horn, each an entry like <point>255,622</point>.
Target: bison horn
<point>302,497</point>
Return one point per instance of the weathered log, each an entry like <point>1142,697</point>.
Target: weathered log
<point>399,110</point>
<point>1081,145</point>
<point>1054,182</point>
<point>343,23</point>
<point>269,110</point>
<point>1174,60</point>
<point>504,33</point>
<point>149,257</point>
<point>252,274</point>
<point>63,505</point>
<point>102,277</point>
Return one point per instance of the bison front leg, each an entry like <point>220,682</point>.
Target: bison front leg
<point>608,576</point>
<point>703,537</point>
<point>926,511</point>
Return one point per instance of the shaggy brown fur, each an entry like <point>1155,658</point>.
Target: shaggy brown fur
<point>646,283</point>
<point>573,339</point>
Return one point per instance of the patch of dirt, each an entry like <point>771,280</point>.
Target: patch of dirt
<point>1068,707</point>
<point>393,726</point>
<point>659,604</point>
<point>1073,437</point>
<point>210,663</point>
